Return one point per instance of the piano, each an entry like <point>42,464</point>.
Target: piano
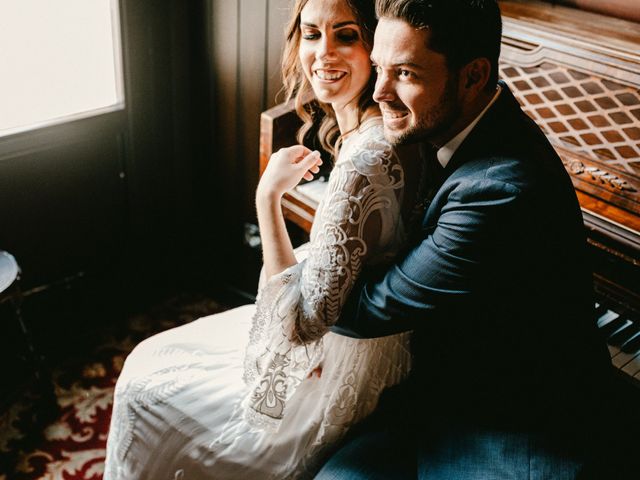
<point>577,74</point>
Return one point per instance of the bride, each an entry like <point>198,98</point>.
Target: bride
<point>263,391</point>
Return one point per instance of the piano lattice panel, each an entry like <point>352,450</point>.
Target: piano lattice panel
<point>580,112</point>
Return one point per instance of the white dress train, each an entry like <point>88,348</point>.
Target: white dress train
<point>263,391</point>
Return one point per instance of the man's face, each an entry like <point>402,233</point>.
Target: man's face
<point>417,93</point>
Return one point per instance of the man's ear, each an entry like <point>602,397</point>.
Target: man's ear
<point>474,76</point>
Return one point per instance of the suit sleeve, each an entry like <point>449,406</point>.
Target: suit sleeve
<point>445,267</point>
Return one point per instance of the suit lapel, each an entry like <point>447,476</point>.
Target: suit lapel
<point>483,142</point>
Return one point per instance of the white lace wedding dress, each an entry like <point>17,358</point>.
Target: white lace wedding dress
<point>262,391</point>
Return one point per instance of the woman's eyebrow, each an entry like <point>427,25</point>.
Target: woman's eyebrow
<point>344,24</point>
<point>335,25</point>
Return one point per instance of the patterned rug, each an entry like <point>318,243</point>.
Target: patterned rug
<point>70,445</point>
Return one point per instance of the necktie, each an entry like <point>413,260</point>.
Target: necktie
<point>432,173</point>
<point>430,181</point>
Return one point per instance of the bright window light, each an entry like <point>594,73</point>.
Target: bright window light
<point>60,60</point>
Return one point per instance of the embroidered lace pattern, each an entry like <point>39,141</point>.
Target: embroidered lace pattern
<point>357,221</point>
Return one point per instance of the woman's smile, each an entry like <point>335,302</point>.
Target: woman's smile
<point>329,75</point>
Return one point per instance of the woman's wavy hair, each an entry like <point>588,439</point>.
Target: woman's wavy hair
<point>297,86</point>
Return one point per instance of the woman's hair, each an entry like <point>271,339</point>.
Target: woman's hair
<point>462,30</point>
<point>297,86</point>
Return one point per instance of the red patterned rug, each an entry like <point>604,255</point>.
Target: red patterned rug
<point>71,446</point>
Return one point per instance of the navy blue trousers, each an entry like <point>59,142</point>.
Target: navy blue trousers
<point>378,452</point>
<point>400,447</point>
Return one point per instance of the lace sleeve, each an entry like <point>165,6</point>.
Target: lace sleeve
<point>357,222</point>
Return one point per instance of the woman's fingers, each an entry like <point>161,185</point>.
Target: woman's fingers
<point>288,166</point>
<point>298,151</point>
<point>310,161</point>
<point>300,154</point>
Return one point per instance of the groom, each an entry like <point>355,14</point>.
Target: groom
<point>508,366</point>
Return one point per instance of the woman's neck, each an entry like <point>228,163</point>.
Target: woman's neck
<point>348,116</point>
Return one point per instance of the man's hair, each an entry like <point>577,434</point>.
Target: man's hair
<point>461,30</point>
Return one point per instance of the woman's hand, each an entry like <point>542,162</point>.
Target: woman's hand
<point>286,168</point>
<point>284,171</point>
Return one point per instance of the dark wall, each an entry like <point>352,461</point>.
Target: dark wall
<point>62,198</point>
<point>246,39</point>
<point>168,113</point>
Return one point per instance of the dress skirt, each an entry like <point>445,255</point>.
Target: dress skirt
<point>180,404</point>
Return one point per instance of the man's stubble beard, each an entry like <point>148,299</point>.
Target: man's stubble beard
<point>435,123</point>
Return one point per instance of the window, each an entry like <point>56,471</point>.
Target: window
<point>59,61</point>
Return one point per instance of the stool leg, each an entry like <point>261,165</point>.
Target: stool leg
<point>44,383</point>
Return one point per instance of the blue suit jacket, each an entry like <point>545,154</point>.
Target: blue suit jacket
<point>497,289</point>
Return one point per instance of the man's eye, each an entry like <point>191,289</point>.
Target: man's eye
<point>404,73</point>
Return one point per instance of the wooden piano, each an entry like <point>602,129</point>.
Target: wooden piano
<point>577,74</point>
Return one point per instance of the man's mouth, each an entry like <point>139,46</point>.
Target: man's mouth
<point>392,114</point>
<point>329,75</point>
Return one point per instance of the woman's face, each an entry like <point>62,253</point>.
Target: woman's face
<point>332,52</point>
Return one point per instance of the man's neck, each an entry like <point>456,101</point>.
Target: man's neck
<point>469,113</point>
<point>448,149</point>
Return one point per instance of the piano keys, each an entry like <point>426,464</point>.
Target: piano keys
<point>620,326</point>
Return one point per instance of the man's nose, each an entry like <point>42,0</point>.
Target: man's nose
<point>383,91</point>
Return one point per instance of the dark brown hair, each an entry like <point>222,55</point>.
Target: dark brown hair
<point>461,30</point>
<point>296,85</point>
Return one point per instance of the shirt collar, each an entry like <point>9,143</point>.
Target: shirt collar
<point>448,149</point>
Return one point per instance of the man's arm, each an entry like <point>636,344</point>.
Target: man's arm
<point>444,268</point>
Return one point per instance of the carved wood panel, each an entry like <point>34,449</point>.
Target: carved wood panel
<point>593,116</point>
<point>586,97</point>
